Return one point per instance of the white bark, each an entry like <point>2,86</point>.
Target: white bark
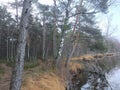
<point>65,22</point>
<point>59,53</point>
<point>19,62</point>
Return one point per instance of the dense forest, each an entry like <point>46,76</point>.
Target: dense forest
<point>52,36</point>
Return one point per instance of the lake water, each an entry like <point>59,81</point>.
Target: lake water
<point>113,78</point>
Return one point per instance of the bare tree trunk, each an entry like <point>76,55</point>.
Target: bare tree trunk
<point>35,52</point>
<point>7,48</point>
<point>7,45</point>
<point>28,47</point>
<point>12,47</point>
<point>44,39</point>
<point>16,1</point>
<point>19,61</point>
<point>66,19</point>
<point>71,54</point>
<point>76,37</point>
<point>54,32</point>
<point>60,52</point>
<point>28,51</point>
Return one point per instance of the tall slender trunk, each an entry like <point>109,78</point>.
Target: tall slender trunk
<point>71,54</point>
<point>54,32</point>
<point>60,52</point>
<point>44,39</point>
<point>28,51</point>
<point>35,53</point>
<point>28,47</point>
<point>54,42</point>
<point>19,61</point>
<point>16,1</point>
<point>76,41</point>
<point>7,49</point>
<point>7,45</point>
<point>12,47</point>
<point>66,20</point>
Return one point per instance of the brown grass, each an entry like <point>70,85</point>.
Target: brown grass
<point>109,54</point>
<point>89,57</point>
<point>84,57</point>
<point>74,67</point>
<point>48,81</point>
<point>99,55</point>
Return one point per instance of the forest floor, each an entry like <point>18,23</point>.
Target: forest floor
<point>34,72</point>
<point>36,78</point>
<point>5,77</point>
<point>32,80</point>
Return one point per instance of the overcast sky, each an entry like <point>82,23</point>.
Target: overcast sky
<point>42,1</point>
<point>113,15</point>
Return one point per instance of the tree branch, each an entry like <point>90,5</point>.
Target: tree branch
<point>93,12</point>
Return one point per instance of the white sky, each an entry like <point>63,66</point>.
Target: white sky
<point>42,1</point>
<point>114,16</point>
<point>114,11</point>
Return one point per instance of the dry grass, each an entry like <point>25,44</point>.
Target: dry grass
<point>99,55</point>
<point>40,78</point>
<point>74,67</point>
<point>48,81</point>
<point>109,54</point>
<point>84,57</point>
<point>76,58</point>
<point>88,57</point>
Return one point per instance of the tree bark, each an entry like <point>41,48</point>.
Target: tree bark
<point>19,61</point>
<point>16,1</point>
<point>76,40</point>
<point>12,47</point>
<point>54,32</point>
<point>62,41</point>
<point>7,49</point>
<point>28,51</point>
<point>44,39</point>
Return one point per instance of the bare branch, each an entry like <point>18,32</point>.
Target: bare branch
<point>93,12</point>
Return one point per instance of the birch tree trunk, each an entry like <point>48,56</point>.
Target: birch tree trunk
<point>62,41</point>
<point>19,61</point>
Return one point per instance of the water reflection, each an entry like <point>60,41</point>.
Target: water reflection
<point>113,80</point>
